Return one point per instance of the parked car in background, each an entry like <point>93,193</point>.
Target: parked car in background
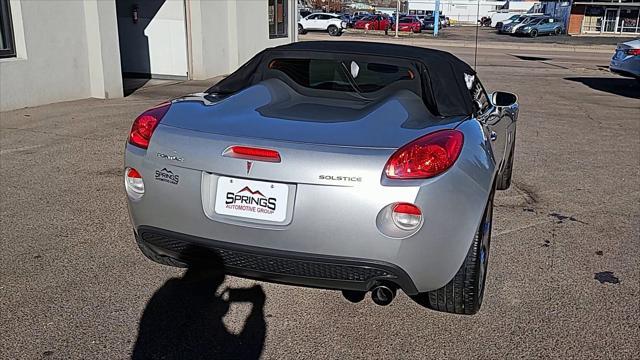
<point>409,23</point>
<point>428,23</point>
<point>355,18</point>
<point>504,18</point>
<point>422,18</point>
<point>374,22</point>
<point>507,21</point>
<point>361,13</point>
<point>626,59</point>
<point>331,23</point>
<point>443,21</point>
<point>520,22</point>
<point>541,26</point>
<point>502,15</point>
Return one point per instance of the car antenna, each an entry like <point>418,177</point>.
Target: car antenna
<point>478,23</point>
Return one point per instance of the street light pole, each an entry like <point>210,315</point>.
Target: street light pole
<point>397,16</point>
<point>436,18</point>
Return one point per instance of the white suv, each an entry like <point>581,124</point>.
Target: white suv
<point>331,23</point>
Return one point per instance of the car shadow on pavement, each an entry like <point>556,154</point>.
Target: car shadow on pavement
<point>183,320</point>
<point>627,87</point>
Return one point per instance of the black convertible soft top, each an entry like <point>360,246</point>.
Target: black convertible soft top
<point>442,75</point>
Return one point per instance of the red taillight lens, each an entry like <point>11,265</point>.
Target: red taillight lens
<point>145,124</point>
<point>406,208</point>
<point>635,52</point>
<point>252,153</point>
<point>133,173</point>
<point>426,157</point>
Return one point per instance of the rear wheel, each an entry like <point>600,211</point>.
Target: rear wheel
<point>556,31</point>
<point>534,33</point>
<point>333,30</point>
<point>464,293</point>
<point>301,30</point>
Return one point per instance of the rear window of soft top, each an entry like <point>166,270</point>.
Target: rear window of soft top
<point>336,75</point>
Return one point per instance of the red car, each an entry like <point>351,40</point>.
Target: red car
<point>373,22</point>
<point>410,24</point>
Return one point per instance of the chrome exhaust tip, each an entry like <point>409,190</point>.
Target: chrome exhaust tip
<point>383,295</point>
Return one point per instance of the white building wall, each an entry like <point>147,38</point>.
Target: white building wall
<point>155,44</point>
<point>465,11</point>
<point>218,52</point>
<point>69,49</point>
<point>54,59</point>
<point>103,49</point>
<point>209,46</point>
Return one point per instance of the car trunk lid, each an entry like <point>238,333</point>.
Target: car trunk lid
<point>270,112</point>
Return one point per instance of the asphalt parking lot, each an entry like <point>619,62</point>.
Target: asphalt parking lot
<point>564,274</point>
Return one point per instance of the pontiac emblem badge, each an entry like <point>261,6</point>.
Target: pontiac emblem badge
<point>249,165</point>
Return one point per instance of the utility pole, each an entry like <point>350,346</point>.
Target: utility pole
<point>397,16</point>
<point>436,18</point>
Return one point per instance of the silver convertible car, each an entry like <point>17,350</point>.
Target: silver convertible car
<point>361,167</point>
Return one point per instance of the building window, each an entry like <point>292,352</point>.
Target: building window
<point>629,20</point>
<point>592,21</point>
<point>278,19</point>
<point>7,45</point>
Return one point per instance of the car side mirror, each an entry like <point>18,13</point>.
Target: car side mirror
<point>503,99</point>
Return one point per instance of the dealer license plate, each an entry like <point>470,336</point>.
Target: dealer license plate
<point>252,199</point>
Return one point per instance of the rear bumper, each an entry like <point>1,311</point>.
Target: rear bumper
<point>313,270</point>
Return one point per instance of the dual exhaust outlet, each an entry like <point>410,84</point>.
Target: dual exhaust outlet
<point>382,294</point>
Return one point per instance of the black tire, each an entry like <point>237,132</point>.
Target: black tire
<point>463,294</point>
<point>301,30</point>
<point>504,179</point>
<point>418,31</point>
<point>160,259</point>
<point>556,31</point>
<point>533,33</point>
<point>333,30</point>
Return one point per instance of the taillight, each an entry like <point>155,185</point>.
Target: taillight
<point>406,216</point>
<point>635,52</point>
<point>426,157</point>
<point>145,124</point>
<point>252,153</point>
<point>133,183</point>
